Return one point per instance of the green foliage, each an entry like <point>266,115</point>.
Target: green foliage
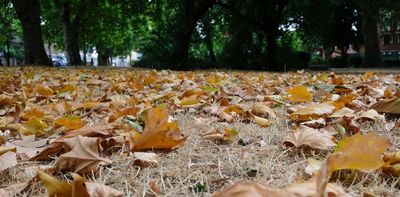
<point>10,30</point>
<point>231,34</point>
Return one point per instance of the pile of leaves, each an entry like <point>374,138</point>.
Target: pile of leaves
<point>65,127</point>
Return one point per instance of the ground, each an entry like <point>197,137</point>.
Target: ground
<point>197,167</point>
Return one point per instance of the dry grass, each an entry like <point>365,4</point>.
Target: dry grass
<point>207,167</point>
<point>201,167</point>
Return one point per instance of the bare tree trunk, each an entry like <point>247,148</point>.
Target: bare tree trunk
<point>271,29</point>
<point>272,62</point>
<point>208,39</point>
<point>372,57</point>
<point>103,58</point>
<point>28,12</point>
<point>393,27</point>
<point>193,12</point>
<point>70,28</point>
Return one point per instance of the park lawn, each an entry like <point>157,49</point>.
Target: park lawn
<point>119,101</point>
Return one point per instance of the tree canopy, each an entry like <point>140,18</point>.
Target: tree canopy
<point>249,34</point>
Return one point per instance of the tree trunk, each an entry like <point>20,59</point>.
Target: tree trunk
<point>49,47</point>
<point>28,12</point>
<point>372,57</point>
<point>272,62</point>
<point>271,29</point>
<point>70,28</point>
<point>193,11</point>
<point>393,27</point>
<point>208,39</point>
<point>7,55</point>
<point>103,58</point>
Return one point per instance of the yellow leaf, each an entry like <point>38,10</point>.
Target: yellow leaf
<point>299,94</point>
<point>191,101</point>
<point>360,152</point>
<point>44,90</point>
<point>34,126</point>
<point>68,88</point>
<point>55,187</point>
<point>70,121</point>
<point>33,113</point>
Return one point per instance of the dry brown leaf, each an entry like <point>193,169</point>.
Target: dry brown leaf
<point>78,188</point>
<point>371,115</point>
<point>13,190</point>
<point>308,189</point>
<point>360,152</point>
<point>143,159</point>
<point>57,147</point>
<point>100,190</point>
<point>313,166</point>
<point>392,163</point>
<point>158,132</point>
<point>391,106</point>
<point>313,112</point>
<point>218,135</point>
<point>230,112</point>
<point>28,146</point>
<point>310,137</point>
<point>84,156</point>
<point>343,112</point>
<point>260,109</point>
<point>8,160</point>
<point>253,189</point>
<point>6,149</point>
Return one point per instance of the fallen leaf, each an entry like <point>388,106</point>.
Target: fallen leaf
<point>84,156</point>
<point>13,189</point>
<point>143,159</point>
<point>8,160</point>
<point>299,94</point>
<point>158,132</point>
<point>260,109</point>
<point>392,163</point>
<point>313,166</point>
<point>43,90</point>
<point>33,113</point>
<point>28,146</point>
<point>343,112</point>
<point>34,126</point>
<point>154,188</point>
<point>310,137</point>
<point>7,149</point>
<point>313,112</point>
<point>371,115</point>
<point>70,122</point>
<point>391,106</point>
<point>253,189</point>
<point>360,152</point>
<point>100,190</point>
<point>57,147</point>
<point>218,135</point>
<point>78,188</point>
<point>308,189</point>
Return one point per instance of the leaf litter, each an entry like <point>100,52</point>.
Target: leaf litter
<point>126,132</point>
